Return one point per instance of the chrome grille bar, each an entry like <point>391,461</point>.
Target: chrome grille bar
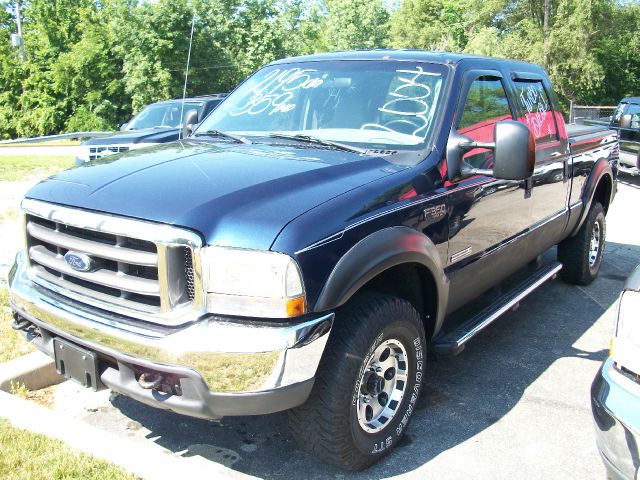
<point>119,254</point>
<point>77,292</point>
<point>115,280</point>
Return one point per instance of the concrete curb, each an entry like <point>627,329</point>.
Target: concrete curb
<point>146,461</point>
<point>35,370</point>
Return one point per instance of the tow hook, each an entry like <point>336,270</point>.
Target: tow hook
<point>20,324</point>
<point>150,380</point>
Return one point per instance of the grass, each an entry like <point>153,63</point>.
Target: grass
<point>12,344</point>
<point>62,142</point>
<point>26,167</point>
<point>11,213</point>
<point>26,455</point>
<point>43,397</point>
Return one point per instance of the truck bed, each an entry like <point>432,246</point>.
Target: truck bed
<point>581,132</point>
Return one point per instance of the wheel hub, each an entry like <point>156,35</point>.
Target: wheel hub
<point>383,386</point>
<point>594,245</point>
<point>374,384</point>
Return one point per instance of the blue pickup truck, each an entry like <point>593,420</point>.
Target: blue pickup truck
<point>317,238</point>
<point>626,120</point>
<point>160,122</point>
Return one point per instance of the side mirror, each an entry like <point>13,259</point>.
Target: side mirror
<point>625,121</point>
<point>514,153</point>
<point>190,119</point>
<point>124,126</point>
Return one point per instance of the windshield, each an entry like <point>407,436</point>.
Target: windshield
<point>368,104</point>
<point>163,115</point>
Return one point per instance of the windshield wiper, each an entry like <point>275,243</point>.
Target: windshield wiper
<point>317,141</point>
<point>218,133</point>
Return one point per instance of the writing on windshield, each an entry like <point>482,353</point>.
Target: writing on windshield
<point>276,91</point>
<point>409,107</point>
<point>363,103</point>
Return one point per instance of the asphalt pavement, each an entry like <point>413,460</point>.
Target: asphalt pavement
<point>514,404</point>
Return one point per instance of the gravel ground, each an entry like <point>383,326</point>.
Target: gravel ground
<point>514,404</point>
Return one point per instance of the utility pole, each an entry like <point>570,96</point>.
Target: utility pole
<point>21,50</point>
<point>547,13</point>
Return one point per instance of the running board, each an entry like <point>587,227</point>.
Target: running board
<point>453,342</point>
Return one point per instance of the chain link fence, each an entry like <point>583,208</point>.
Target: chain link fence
<point>580,113</point>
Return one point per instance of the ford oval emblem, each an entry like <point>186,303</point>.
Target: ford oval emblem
<point>78,261</point>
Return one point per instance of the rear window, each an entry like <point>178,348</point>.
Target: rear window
<point>537,109</point>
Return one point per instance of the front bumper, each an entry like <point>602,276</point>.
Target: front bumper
<point>615,401</point>
<point>629,163</point>
<point>224,366</point>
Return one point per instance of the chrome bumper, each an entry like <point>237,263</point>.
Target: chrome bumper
<point>615,401</point>
<point>226,366</point>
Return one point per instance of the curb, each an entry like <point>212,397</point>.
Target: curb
<point>146,461</point>
<point>35,370</point>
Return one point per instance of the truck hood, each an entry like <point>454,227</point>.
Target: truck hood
<point>148,135</point>
<point>233,194</point>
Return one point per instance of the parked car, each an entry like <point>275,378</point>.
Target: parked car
<point>157,123</point>
<point>313,241</point>
<point>615,393</point>
<point>626,119</point>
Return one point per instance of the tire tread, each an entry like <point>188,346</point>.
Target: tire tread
<point>573,251</point>
<point>318,424</point>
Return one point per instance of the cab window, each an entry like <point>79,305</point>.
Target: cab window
<point>634,111</point>
<point>485,105</point>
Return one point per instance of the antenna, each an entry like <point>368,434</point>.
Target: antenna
<point>186,76</point>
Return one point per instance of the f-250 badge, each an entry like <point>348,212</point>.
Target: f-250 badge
<point>435,213</point>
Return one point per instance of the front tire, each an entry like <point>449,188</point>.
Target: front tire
<point>581,255</point>
<point>367,384</point>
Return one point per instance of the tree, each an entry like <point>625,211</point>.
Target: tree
<point>355,24</point>
<point>10,74</point>
<point>429,25</point>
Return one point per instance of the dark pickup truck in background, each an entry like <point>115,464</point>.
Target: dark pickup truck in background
<point>157,123</point>
<point>626,120</point>
<point>319,235</point>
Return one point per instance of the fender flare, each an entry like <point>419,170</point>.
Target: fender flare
<point>600,170</point>
<point>376,253</point>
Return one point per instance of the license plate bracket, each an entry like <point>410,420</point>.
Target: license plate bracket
<point>76,363</point>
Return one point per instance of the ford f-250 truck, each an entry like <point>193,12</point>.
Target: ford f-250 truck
<point>314,241</point>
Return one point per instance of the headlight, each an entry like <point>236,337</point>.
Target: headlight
<point>625,347</point>
<point>252,283</point>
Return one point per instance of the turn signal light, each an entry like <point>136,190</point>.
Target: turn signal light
<point>295,306</point>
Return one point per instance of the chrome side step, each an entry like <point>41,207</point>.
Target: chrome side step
<point>452,343</point>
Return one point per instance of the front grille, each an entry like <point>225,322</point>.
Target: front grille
<point>102,151</point>
<point>141,277</point>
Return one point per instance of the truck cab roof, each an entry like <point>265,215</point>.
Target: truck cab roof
<point>405,55</point>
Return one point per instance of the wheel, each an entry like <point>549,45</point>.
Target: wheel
<point>367,384</point>
<point>581,255</point>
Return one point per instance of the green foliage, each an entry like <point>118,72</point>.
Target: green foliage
<point>355,24</point>
<point>92,64</point>
<point>593,47</point>
<point>429,25</point>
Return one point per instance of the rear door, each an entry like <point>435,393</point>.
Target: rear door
<point>551,183</point>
